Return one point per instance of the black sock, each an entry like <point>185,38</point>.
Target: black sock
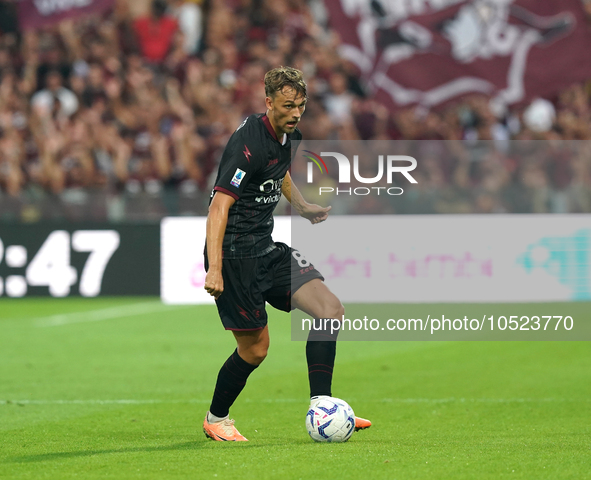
<point>321,351</point>
<point>231,381</point>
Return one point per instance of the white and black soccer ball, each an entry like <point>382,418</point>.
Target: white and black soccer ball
<point>330,420</point>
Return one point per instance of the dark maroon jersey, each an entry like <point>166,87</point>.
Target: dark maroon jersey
<point>251,171</point>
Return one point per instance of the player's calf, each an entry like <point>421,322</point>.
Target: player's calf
<point>253,345</point>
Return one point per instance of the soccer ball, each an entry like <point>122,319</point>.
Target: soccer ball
<point>330,420</point>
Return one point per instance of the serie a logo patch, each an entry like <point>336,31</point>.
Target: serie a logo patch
<point>237,178</point>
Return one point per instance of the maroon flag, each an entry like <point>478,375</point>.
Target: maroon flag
<point>427,52</point>
<point>38,13</point>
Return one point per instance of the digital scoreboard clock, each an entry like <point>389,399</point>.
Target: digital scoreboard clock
<point>44,260</point>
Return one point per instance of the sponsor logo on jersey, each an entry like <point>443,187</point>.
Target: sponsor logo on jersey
<point>271,186</point>
<point>268,199</point>
<point>272,190</point>
<point>237,178</point>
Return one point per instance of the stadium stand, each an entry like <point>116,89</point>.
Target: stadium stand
<point>103,119</point>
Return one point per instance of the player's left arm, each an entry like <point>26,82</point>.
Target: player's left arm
<point>314,213</point>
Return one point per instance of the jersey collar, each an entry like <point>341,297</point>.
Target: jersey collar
<point>267,123</point>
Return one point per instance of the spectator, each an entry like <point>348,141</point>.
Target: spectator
<point>189,18</point>
<point>338,101</point>
<point>539,116</point>
<point>55,97</point>
<point>155,32</point>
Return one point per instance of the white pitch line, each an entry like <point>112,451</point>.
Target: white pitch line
<point>97,402</point>
<point>104,314</point>
<point>292,400</point>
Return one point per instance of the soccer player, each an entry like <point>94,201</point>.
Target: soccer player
<point>245,268</point>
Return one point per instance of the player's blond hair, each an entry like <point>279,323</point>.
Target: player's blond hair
<point>279,78</point>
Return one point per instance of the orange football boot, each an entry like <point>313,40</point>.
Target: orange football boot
<point>361,424</point>
<point>223,431</point>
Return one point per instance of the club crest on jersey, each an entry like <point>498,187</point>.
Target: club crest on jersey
<point>237,178</point>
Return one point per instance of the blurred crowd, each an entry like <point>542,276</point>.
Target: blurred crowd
<point>458,177</point>
<point>125,115</point>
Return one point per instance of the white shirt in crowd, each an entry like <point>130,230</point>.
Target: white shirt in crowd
<point>45,98</point>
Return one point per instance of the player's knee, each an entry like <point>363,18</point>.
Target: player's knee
<point>258,353</point>
<point>340,310</point>
<point>334,308</point>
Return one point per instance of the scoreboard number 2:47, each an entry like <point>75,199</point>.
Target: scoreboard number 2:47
<point>51,266</point>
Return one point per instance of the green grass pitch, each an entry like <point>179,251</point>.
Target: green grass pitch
<point>117,388</point>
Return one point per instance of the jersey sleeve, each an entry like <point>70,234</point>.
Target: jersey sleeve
<point>240,161</point>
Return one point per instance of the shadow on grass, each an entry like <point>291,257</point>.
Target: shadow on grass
<point>46,457</point>
<point>88,453</point>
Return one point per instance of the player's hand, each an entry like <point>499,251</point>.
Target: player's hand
<point>214,283</point>
<point>315,213</point>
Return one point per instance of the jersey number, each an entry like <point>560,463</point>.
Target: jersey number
<point>302,262</point>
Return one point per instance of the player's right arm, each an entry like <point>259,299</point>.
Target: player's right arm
<point>217,219</point>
